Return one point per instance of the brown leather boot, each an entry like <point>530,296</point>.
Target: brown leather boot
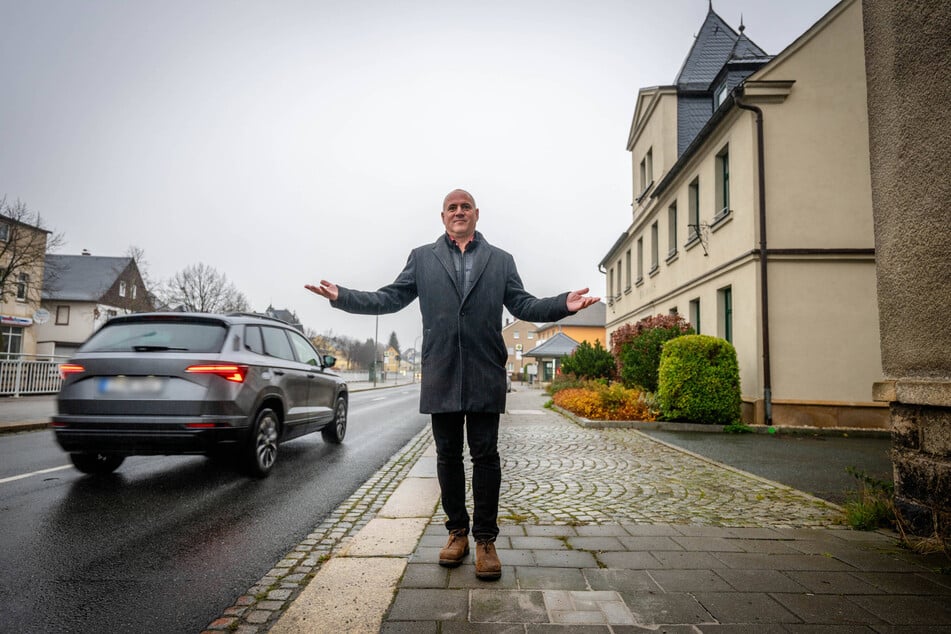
<point>456,549</point>
<point>488,566</point>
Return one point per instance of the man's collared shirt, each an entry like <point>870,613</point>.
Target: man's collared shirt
<point>462,261</point>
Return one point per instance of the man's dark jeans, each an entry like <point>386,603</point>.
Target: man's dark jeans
<point>482,433</point>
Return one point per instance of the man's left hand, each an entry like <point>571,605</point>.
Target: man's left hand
<point>578,300</point>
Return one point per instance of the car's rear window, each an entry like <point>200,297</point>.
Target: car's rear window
<point>158,336</point>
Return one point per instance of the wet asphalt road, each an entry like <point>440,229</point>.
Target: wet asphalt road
<point>814,464</point>
<point>166,543</point>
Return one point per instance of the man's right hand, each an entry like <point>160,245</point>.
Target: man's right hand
<point>326,289</point>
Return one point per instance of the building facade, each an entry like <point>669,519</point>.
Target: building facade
<point>22,260</point>
<point>585,325</point>
<point>752,218</point>
<point>519,337</point>
<point>82,292</point>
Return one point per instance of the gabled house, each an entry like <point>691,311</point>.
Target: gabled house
<point>548,354</point>
<point>519,337</point>
<point>585,325</point>
<point>81,293</point>
<point>751,216</point>
<point>22,257</point>
<point>287,316</point>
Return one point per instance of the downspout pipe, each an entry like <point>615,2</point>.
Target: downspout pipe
<point>764,283</point>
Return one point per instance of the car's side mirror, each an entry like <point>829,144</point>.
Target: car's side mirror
<point>329,360</point>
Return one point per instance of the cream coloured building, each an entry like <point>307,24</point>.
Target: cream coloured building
<point>749,154</point>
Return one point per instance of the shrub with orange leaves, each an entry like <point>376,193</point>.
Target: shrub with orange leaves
<point>605,402</point>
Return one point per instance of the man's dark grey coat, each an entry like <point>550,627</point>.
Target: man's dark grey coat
<point>463,356</point>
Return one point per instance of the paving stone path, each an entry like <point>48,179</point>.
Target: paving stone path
<point>555,472</point>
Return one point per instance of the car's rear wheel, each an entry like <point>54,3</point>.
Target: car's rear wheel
<point>96,463</point>
<point>261,452</point>
<point>337,429</point>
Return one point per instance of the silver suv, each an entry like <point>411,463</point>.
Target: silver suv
<point>187,383</point>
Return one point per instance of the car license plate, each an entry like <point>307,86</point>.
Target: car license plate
<point>130,385</point>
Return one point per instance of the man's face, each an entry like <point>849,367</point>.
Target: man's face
<point>460,215</point>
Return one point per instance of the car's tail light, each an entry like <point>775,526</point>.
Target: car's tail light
<point>233,373</point>
<point>65,369</point>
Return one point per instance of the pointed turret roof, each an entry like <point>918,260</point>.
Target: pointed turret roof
<point>715,44</point>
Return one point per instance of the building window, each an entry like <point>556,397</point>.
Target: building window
<point>693,212</point>
<point>23,282</point>
<point>725,308</point>
<point>531,335</point>
<point>121,288</point>
<point>655,248</point>
<point>611,286</point>
<point>647,170</point>
<point>627,269</point>
<point>11,341</point>
<point>672,230</point>
<point>62,315</point>
<point>134,289</point>
<point>515,334</point>
<point>4,232</point>
<point>720,95</point>
<point>695,314</point>
<point>723,184</point>
<point>640,260</point>
<point>619,279</point>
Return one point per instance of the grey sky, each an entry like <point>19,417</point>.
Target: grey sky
<point>284,142</point>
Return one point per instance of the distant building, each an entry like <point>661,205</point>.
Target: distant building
<point>752,217</point>
<point>549,354</point>
<point>284,315</point>
<point>519,337</point>
<point>585,325</point>
<point>22,249</point>
<point>81,293</point>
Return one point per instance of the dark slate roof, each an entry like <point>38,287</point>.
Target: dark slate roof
<point>557,346</point>
<point>715,45</point>
<point>81,278</point>
<point>593,315</point>
<point>711,49</point>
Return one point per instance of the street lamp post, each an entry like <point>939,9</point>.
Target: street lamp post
<point>376,347</point>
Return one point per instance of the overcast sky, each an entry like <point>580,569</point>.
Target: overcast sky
<point>282,142</point>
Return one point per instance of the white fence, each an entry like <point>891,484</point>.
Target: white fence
<point>27,375</point>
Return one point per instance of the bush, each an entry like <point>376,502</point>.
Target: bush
<point>589,362</point>
<point>605,402</point>
<point>699,381</point>
<point>637,348</point>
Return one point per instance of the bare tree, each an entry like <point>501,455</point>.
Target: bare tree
<point>24,243</point>
<point>202,289</point>
<point>138,255</point>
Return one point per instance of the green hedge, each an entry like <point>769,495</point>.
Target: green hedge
<point>589,362</point>
<point>699,380</point>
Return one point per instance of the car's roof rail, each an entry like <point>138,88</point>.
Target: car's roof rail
<point>257,316</point>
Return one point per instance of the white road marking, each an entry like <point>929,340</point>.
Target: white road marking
<point>40,472</point>
<point>378,398</point>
